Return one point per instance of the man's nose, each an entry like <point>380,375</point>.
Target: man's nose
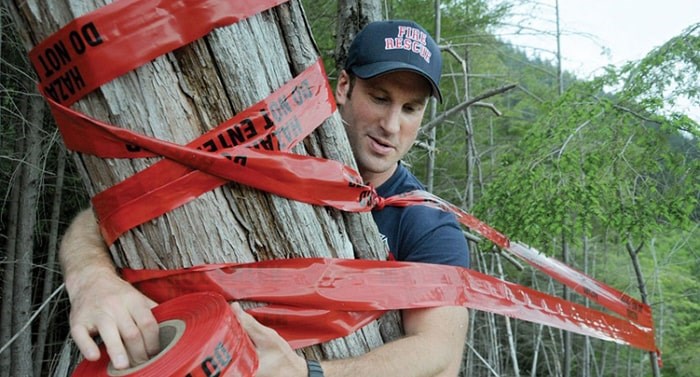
<point>392,121</point>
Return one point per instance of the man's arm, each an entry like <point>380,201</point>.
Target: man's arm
<point>101,302</point>
<point>433,346</point>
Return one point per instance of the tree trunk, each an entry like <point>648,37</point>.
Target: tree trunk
<point>566,295</point>
<point>634,255</point>
<point>432,134</point>
<point>512,343</point>
<point>586,362</point>
<point>52,250</point>
<point>8,275</point>
<point>196,88</point>
<point>24,252</point>
<point>353,15</point>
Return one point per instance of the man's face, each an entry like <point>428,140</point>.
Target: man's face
<point>382,116</point>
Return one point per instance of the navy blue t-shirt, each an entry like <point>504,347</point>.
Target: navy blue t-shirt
<point>419,233</point>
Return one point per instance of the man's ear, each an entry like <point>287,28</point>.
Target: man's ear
<point>341,88</point>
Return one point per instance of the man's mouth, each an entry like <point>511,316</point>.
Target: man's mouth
<point>380,146</point>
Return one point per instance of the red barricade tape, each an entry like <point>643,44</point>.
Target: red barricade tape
<point>333,285</point>
<point>200,337</point>
<point>276,123</point>
<point>74,59</point>
<point>106,43</point>
<point>608,297</point>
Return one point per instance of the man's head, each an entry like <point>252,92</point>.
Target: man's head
<point>393,68</point>
<point>395,45</point>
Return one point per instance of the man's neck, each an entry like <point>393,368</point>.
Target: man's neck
<point>377,179</point>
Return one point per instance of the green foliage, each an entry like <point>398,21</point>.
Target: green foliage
<point>676,300</point>
<point>668,73</point>
<point>605,159</point>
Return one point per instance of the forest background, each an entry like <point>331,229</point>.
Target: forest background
<point>599,172</point>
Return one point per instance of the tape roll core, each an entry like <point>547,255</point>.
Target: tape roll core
<point>169,333</point>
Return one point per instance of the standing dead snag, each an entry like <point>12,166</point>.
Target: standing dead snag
<point>181,95</point>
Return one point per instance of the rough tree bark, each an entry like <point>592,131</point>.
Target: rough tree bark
<point>8,275</point>
<point>51,265</point>
<point>179,96</point>
<point>353,15</point>
<point>24,248</point>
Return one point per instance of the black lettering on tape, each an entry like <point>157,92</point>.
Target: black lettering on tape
<point>237,133</point>
<point>53,58</point>
<point>241,160</point>
<point>91,35</point>
<point>210,368</point>
<point>280,108</point>
<point>77,42</point>
<point>57,56</point>
<point>224,143</point>
<point>248,127</point>
<point>302,92</point>
<point>65,86</point>
<point>268,121</point>
<point>267,143</point>
<point>288,132</point>
<point>209,146</point>
<point>222,355</point>
<point>86,36</point>
<point>365,198</point>
<point>214,364</point>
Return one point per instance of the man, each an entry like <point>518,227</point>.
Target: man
<point>393,68</point>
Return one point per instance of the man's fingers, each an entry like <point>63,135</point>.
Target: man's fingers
<point>133,340</point>
<point>274,353</point>
<point>148,328</point>
<point>113,341</point>
<point>258,333</point>
<point>87,346</point>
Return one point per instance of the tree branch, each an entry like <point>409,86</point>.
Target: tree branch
<point>433,123</point>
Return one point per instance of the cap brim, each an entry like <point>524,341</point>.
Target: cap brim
<point>369,71</point>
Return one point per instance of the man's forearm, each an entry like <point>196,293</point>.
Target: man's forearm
<point>101,302</point>
<point>403,357</point>
<point>83,252</point>
<point>433,346</point>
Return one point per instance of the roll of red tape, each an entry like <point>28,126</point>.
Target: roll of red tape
<point>200,336</point>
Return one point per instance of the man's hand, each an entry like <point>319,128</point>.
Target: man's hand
<point>101,302</point>
<point>276,358</point>
<point>104,304</point>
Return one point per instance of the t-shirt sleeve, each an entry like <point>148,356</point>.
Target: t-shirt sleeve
<point>430,235</point>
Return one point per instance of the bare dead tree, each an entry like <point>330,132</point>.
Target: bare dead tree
<point>51,266</point>
<point>9,267</point>
<point>634,255</point>
<point>24,247</point>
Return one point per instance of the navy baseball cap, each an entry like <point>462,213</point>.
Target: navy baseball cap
<point>395,45</point>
